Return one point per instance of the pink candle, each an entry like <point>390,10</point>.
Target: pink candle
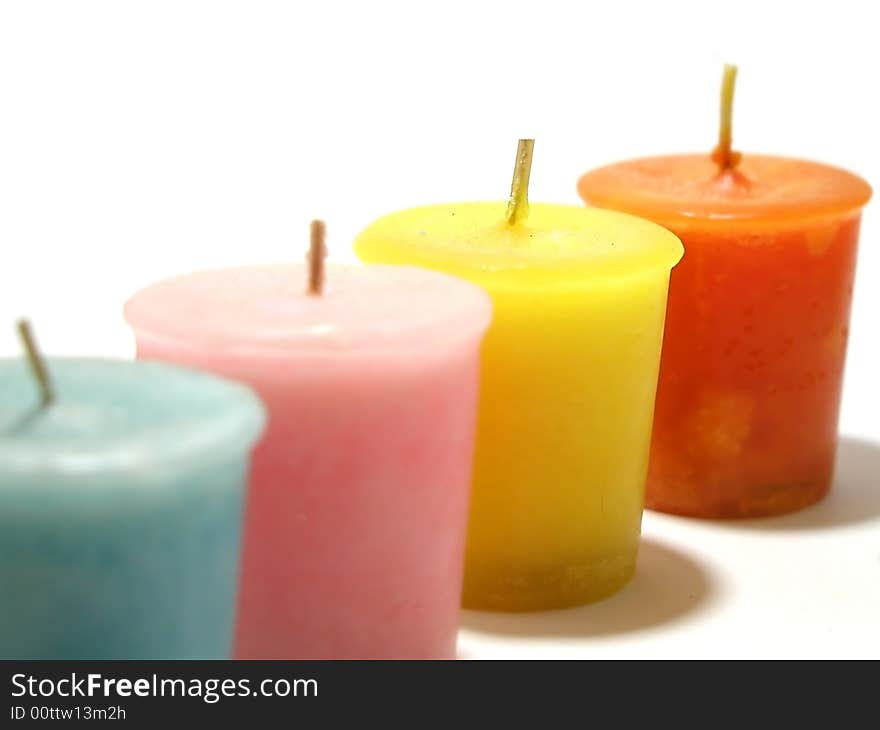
<point>357,505</point>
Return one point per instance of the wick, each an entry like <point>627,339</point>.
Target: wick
<point>317,253</point>
<point>723,155</point>
<point>518,205</point>
<point>36,362</point>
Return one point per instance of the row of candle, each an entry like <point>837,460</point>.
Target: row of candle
<point>371,422</point>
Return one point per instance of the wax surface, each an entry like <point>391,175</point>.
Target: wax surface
<point>358,499</point>
<point>261,313</point>
<point>757,324</point>
<point>569,371</point>
<point>555,245</point>
<point>120,511</point>
<point>761,192</point>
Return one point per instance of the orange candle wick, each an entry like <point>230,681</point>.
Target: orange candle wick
<point>724,155</point>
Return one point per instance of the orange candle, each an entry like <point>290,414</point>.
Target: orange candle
<point>757,322</point>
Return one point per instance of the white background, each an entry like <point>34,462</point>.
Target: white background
<point>142,139</point>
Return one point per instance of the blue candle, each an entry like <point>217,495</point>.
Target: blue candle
<point>120,510</point>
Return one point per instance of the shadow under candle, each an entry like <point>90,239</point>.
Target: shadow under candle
<point>667,586</point>
<point>854,496</point>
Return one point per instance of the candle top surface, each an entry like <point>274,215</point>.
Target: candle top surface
<point>112,417</point>
<point>675,189</point>
<point>265,311</point>
<point>554,244</point>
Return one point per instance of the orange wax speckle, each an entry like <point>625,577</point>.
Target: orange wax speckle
<point>750,377</point>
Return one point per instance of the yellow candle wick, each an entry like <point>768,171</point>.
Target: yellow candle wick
<point>724,155</point>
<point>518,205</point>
<point>36,363</point>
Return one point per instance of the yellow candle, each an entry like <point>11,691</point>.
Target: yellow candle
<point>569,370</point>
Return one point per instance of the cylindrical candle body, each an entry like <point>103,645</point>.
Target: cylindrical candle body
<point>750,380</point>
<point>120,511</point>
<point>358,499</point>
<point>569,372</point>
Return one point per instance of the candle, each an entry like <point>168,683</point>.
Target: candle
<point>121,491</point>
<point>357,507</point>
<point>569,371</point>
<point>750,382</point>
